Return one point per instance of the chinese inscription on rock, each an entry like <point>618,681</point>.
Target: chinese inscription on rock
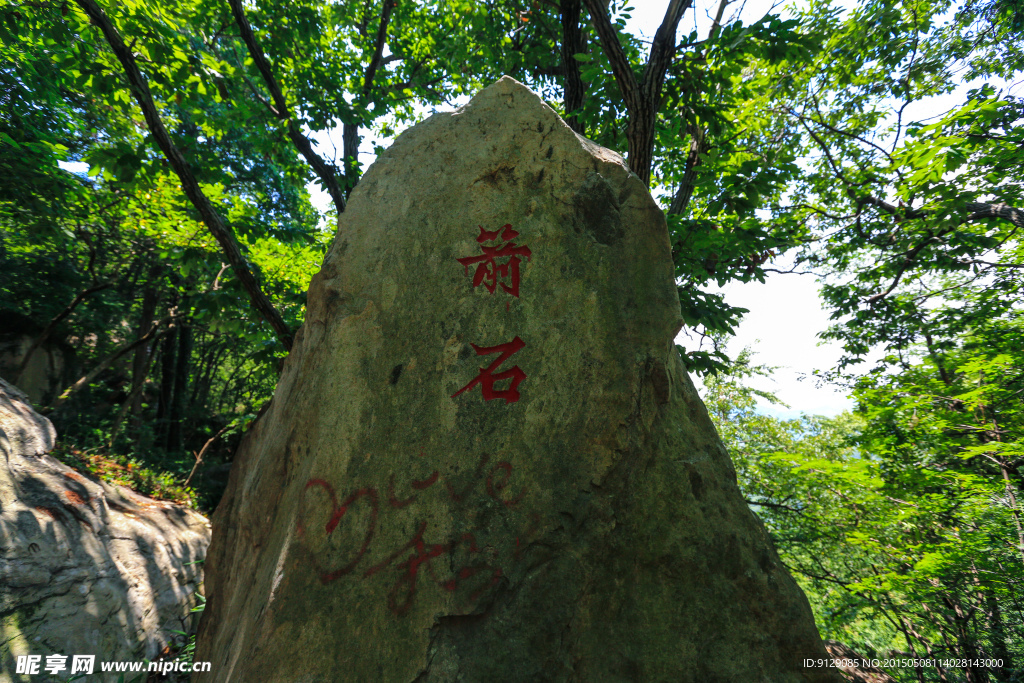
<point>499,262</point>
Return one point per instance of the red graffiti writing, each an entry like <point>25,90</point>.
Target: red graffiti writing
<point>336,514</point>
<point>487,376</point>
<point>423,553</point>
<point>494,488</point>
<point>489,271</point>
<point>416,554</point>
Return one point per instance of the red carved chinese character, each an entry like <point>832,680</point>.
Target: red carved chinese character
<point>487,378</point>
<point>491,271</point>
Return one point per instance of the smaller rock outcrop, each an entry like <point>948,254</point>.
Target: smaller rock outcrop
<point>86,568</point>
<point>50,366</point>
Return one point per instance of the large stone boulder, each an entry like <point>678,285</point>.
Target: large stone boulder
<point>85,568</point>
<point>484,460</point>
<point>50,367</point>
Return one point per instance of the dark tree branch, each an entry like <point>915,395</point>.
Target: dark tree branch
<point>716,23</point>
<point>326,172</point>
<point>214,223</point>
<point>981,210</point>
<point>378,48</point>
<point>684,192</point>
<point>574,91</point>
<point>900,212</point>
<point>698,136</point>
<point>908,260</point>
<point>663,50</point>
<point>621,69</point>
<point>641,97</point>
<point>350,131</point>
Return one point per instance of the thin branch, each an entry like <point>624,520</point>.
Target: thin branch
<point>839,131</point>
<point>57,320</point>
<point>202,452</point>
<point>110,360</point>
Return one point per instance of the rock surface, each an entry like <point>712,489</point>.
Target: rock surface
<point>47,372</point>
<point>85,568</point>
<point>484,460</point>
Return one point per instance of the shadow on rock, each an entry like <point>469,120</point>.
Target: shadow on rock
<point>86,568</point>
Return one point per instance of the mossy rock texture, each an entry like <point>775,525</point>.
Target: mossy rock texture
<point>484,460</point>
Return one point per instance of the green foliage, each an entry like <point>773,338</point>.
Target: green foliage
<point>904,539</point>
<point>811,131</point>
<point>912,213</point>
<point>917,545</point>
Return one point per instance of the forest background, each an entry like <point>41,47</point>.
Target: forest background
<point>171,276</point>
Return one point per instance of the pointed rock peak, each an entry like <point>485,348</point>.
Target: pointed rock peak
<point>484,460</point>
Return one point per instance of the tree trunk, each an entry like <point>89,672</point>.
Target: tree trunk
<point>350,154</point>
<point>141,361</point>
<point>179,399</point>
<point>167,376</point>
<point>574,90</point>
<point>642,97</point>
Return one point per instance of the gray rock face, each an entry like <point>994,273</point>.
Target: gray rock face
<point>85,567</point>
<point>48,370</point>
<point>484,460</point>
<point>23,431</point>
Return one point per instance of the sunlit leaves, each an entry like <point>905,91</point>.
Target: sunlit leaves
<point>877,516</point>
